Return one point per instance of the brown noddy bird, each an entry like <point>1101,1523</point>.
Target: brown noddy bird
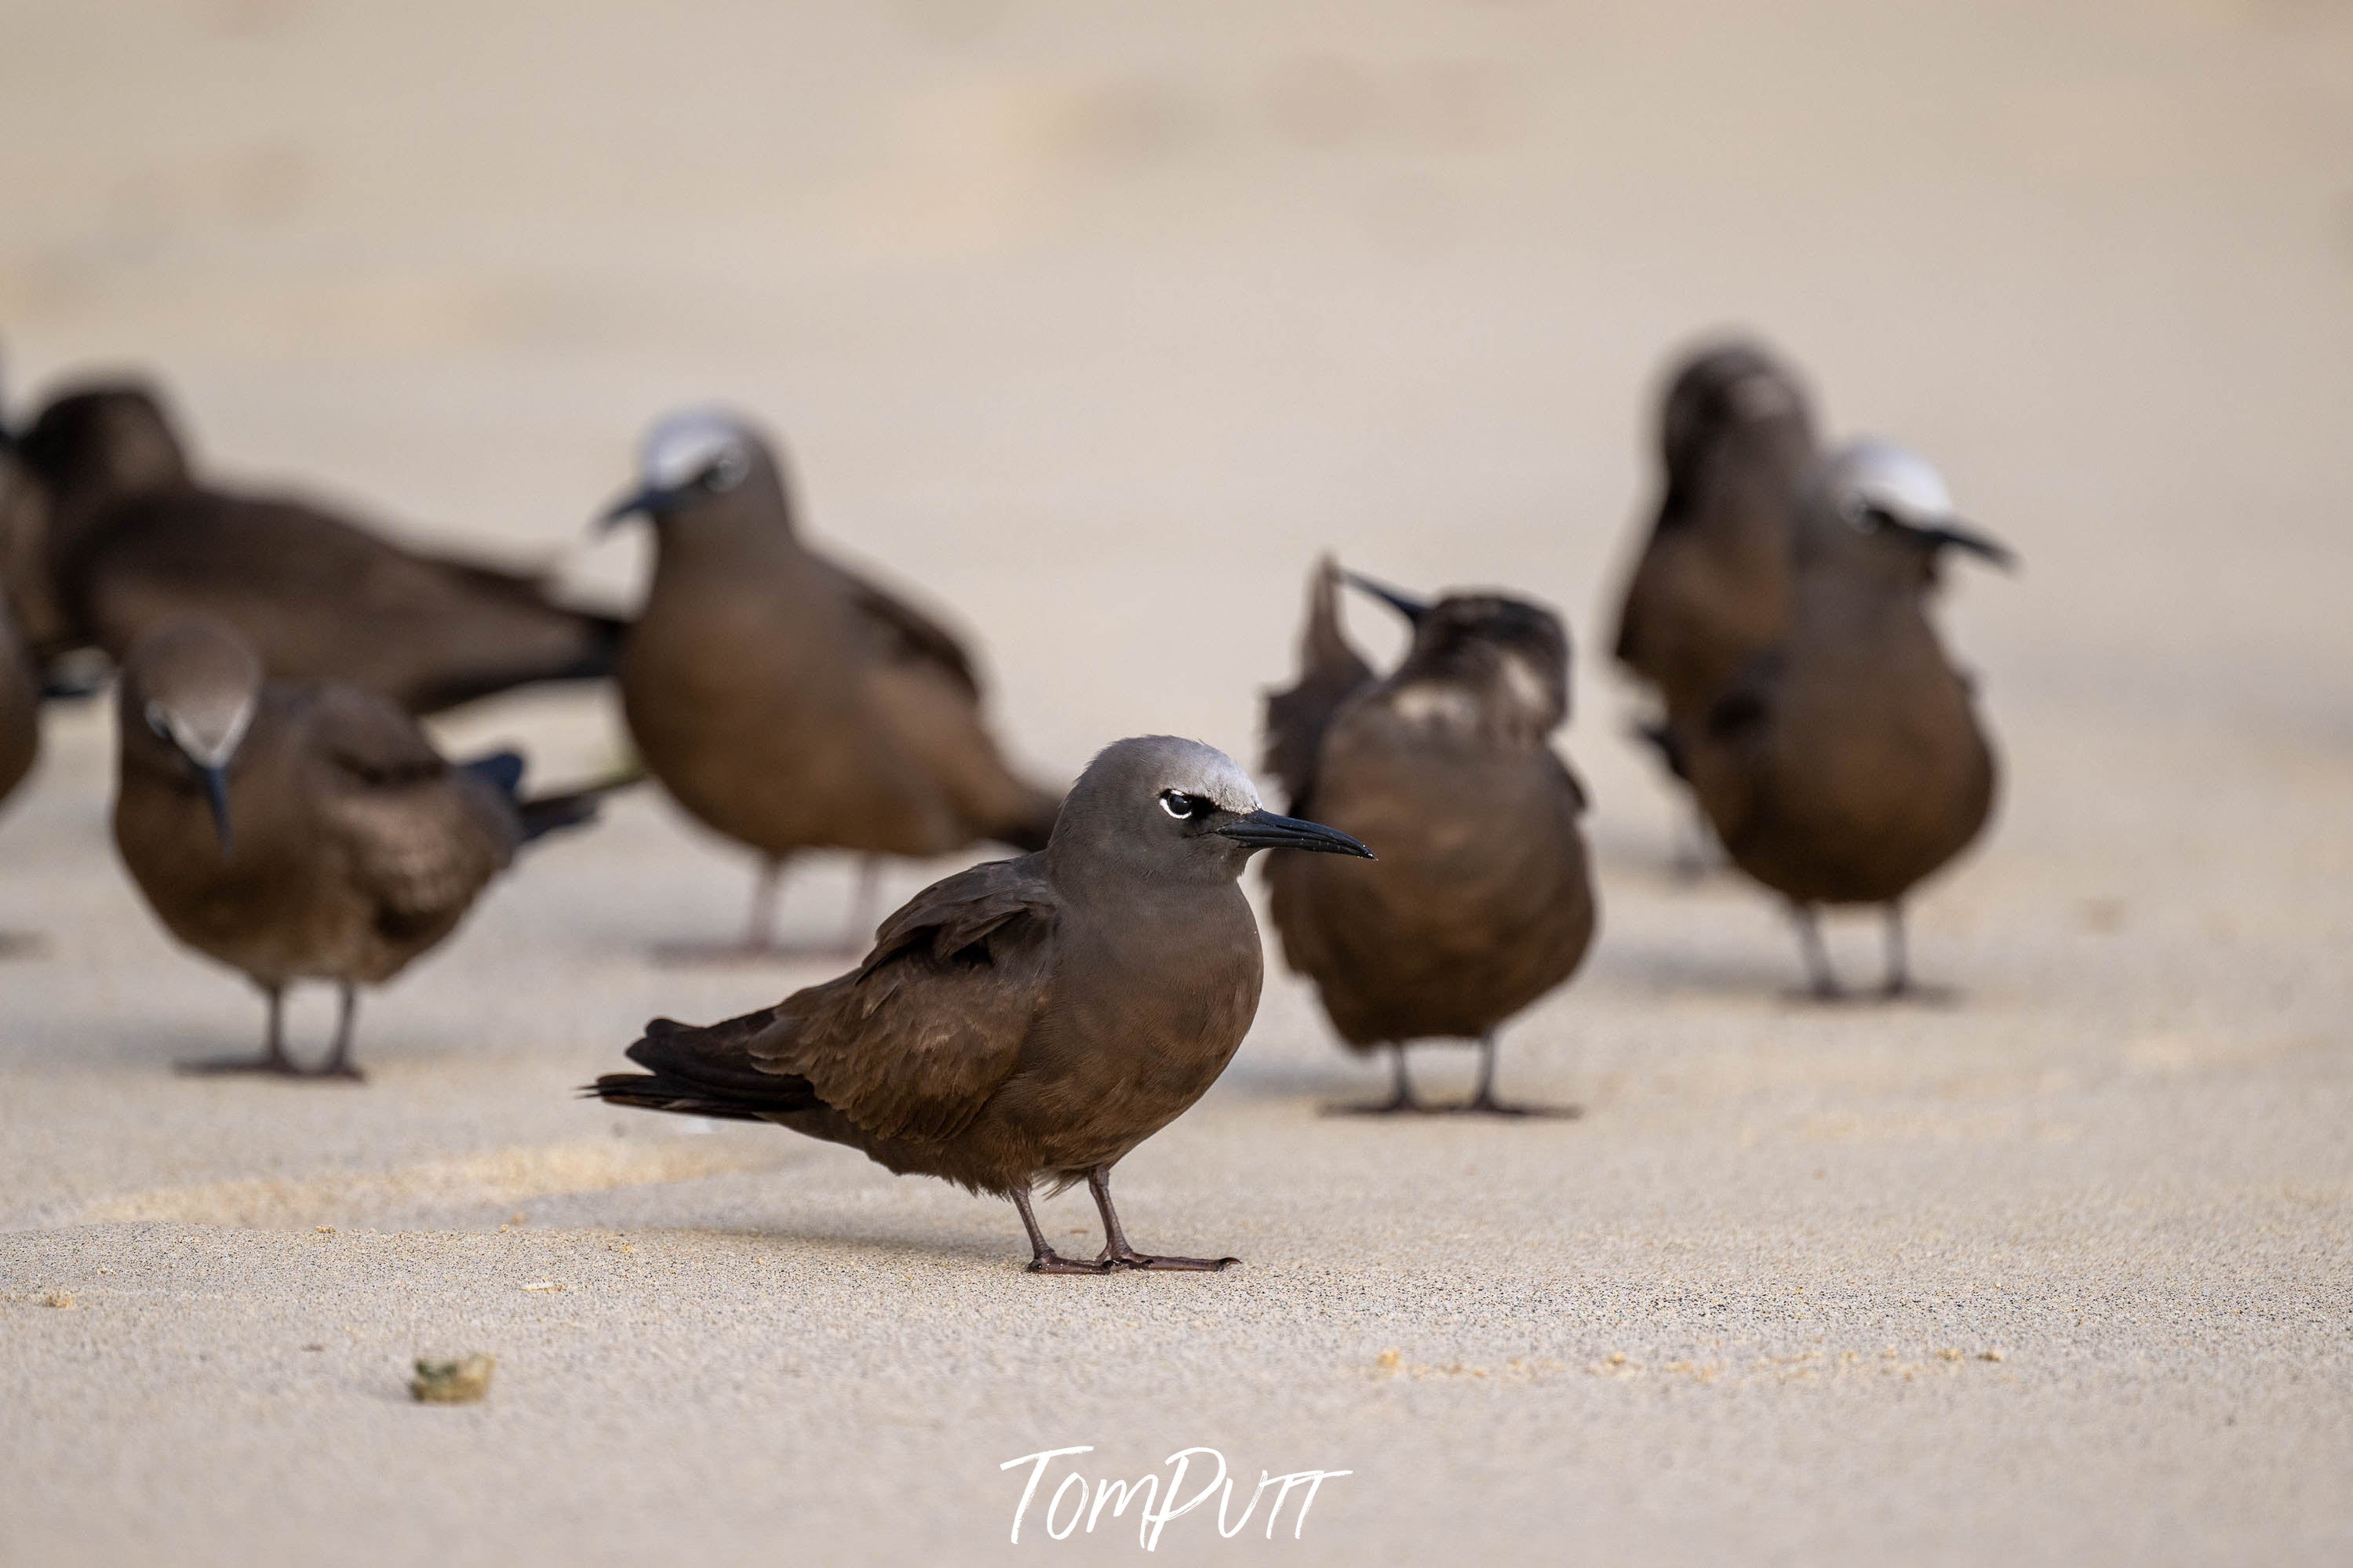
<point>786,703</point>
<point>1711,589</point>
<point>135,540</point>
<point>1847,762</point>
<point>1027,1020</point>
<point>302,830</point>
<point>1482,900</point>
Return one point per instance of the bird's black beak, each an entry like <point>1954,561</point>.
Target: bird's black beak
<point>651,501</point>
<point>1265,830</point>
<point>1397,599</point>
<point>217,792</point>
<point>1958,536</point>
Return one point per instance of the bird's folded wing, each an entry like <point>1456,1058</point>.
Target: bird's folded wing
<point>1330,671</point>
<point>420,839</point>
<point>913,1043</point>
<point>907,632</point>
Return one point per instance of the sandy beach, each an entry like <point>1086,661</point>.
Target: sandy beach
<point>1073,317</point>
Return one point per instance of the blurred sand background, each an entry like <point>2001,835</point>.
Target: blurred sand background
<point>1095,322</point>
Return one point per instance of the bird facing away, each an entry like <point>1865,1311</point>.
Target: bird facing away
<point>1847,764</point>
<point>1711,590</point>
<point>135,540</point>
<point>1482,901</point>
<point>1027,1020</point>
<point>301,830</point>
<point>788,704</point>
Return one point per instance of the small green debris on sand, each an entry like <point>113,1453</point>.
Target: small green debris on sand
<point>460,1382</point>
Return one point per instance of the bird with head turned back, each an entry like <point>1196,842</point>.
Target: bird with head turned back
<point>1482,901</point>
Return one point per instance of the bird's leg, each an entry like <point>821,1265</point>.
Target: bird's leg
<point>339,1060</point>
<point>1116,1253</point>
<point>273,1058</point>
<point>863,897</point>
<point>1483,1101</point>
<point>760,930</point>
<point>1400,1098</point>
<point>1043,1258</point>
<point>1818,978</point>
<point>1899,957</point>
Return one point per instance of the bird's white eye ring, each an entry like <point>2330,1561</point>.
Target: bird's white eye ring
<point>1178,804</point>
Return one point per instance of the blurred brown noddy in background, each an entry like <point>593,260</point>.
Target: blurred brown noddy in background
<point>1028,1020</point>
<point>20,704</point>
<point>302,830</point>
<point>1711,590</point>
<point>1847,764</point>
<point>134,539</point>
<point>788,704</point>
<point>1482,901</point>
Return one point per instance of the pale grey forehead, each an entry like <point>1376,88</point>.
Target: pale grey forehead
<point>679,448</point>
<point>1887,476</point>
<point>1197,769</point>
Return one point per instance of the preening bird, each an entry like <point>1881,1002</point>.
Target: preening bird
<point>783,701</point>
<point>1847,762</point>
<point>302,830</point>
<point>1711,589</point>
<point>134,539</point>
<point>1482,901</point>
<point>1025,1021</point>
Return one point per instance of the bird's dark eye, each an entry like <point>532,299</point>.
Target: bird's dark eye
<point>1179,804</point>
<point>1866,516</point>
<point>726,471</point>
<point>157,722</point>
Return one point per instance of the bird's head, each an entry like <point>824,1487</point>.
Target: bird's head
<point>1481,662</point>
<point>104,443</point>
<point>1875,502</point>
<point>705,465</point>
<point>1723,389</point>
<point>187,696</point>
<point>1176,810</point>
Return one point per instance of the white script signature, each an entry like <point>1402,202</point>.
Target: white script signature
<point>1157,1504</point>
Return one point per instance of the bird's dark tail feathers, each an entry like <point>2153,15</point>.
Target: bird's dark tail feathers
<point>704,1072</point>
<point>546,814</point>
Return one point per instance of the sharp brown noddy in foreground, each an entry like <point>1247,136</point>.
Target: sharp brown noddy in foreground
<point>1711,590</point>
<point>1482,901</point>
<point>1848,763</point>
<point>135,540</point>
<point>1025,1021</point>
<point>302,830</point>
<point>788,704</point>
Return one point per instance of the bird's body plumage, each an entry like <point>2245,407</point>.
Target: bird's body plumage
<point>1711,590</point>
<point>1847,764</point>
<point>302,830</point>
<point>788,704</point>
<point>136,541</point>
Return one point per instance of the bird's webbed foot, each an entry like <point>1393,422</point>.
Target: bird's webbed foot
<point>1052,1262</point>
<point>1485,1104</point>
<point>1126,1257</point>
<point>272,1065</point>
